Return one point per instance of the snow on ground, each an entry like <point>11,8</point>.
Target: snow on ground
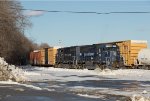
<point>29,86</point>
<point>66,75</point>
<point>104,90</point>
<point>90,96</point>
<point>42,74</point>
<point>25,85</point>
<point>58,74</point>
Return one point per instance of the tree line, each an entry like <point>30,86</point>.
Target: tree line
<point>14,45</point>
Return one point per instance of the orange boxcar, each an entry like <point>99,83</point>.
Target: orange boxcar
<point>43,57</point>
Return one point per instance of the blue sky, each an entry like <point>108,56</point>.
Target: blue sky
<point>78,29</point>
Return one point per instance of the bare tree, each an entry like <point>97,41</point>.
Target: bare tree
<point>14,45</point>
<point>44,45</point>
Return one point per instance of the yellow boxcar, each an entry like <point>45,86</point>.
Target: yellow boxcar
<point>48,56</point>
<point>42,57</point>
<point>129,50</point>
<point>52,55</point>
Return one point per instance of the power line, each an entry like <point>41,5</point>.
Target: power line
<point>86,12</point>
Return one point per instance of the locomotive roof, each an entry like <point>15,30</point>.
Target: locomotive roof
<point>132,41</point>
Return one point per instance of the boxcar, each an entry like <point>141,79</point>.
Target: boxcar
<point>43,57</point>
<point>129,51</point>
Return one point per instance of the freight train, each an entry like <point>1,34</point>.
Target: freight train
<point>119,54</point>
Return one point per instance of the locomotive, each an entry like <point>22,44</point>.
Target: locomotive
<point>119,54</point>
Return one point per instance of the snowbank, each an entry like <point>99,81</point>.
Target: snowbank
<point>136,97</point>
<point>10,72</point>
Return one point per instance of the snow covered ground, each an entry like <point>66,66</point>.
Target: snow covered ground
<point>134,83</point>
<point>139,80</point>
<point>37,73</point>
